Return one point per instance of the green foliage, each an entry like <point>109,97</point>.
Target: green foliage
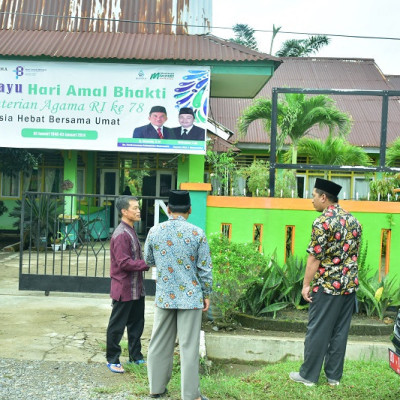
<point>393,153</point>
<point>40,217</point>
<point>13,161</point>
<point>257,177</point>
<point>302,47</point>
<point>286,184</point>
<point>335,150</point>
<point>223,169</point>
<point>244,35</point>
<point>375,296</point>
<point>276,288</point>
<point>235,267</point>
<point>134,179</point>
<point>3,208</point>
<point>296,115</point>
<point>381,188</point>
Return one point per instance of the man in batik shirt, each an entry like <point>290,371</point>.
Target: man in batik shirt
<point>330,284</point>
<point>181,254</point>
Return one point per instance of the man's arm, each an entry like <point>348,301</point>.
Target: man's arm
<point>311,269</point>
<point>204,271</point>
<point>123,256</point>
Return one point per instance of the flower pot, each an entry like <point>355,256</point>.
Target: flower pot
<point>55,246</point>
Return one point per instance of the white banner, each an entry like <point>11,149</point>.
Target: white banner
<point>98,106</point>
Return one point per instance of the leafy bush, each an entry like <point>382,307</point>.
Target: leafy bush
<point>235,267</point>
<point>375,296</point>
<point>382,188</point>
<point>3,208</point>
<point>276,288</point>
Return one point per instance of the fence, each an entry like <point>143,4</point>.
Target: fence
<point>65,241</point>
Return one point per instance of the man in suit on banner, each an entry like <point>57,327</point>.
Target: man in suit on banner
<point>188,131</point>
<point>155,129</point>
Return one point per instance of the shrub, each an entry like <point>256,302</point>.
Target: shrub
<point>235,267</point>
<point>276,288</point>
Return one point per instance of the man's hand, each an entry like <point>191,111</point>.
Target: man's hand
<point>206,305</point>
<point>305,292</point>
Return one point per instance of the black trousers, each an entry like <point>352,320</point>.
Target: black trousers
<point>329,319</point>
<point>129,314</point>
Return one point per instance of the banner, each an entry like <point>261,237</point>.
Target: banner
<point>98,106</point>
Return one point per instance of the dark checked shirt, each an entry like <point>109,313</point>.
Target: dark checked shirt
<point>335,242</point>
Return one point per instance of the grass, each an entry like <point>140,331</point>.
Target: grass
<point>361,380</point>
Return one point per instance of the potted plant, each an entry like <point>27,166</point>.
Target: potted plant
<point>57,240</point>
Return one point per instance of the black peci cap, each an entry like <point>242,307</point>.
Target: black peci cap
<point>327,186</point>
<point>186,110</point>
<point>179,198</point>
<point>158,109</point>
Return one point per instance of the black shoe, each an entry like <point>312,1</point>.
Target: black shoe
<point>158,395</point>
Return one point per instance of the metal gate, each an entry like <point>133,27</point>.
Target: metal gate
<point>65,241</point>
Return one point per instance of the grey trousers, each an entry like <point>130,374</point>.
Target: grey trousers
<point>167,325</point>
<point>329,319</point>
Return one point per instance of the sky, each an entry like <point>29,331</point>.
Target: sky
<point>345,17</point>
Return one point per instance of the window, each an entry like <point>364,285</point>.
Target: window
<point>80,181</point>
<point>257,235</point>
<point>226,230</point>
<point>289,241</point>
<point>385,253</point>
<point>10,185</point>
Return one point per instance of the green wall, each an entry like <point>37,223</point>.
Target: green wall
<point>274,227</point>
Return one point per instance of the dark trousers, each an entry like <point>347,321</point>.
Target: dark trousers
<point>129,314</point>
<point>329,319</point>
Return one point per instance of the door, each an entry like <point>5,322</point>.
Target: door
<point>109,185</point>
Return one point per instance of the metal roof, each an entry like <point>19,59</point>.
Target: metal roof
<point>323,73</point>
<point>124,46</point>
<point>128,16</point>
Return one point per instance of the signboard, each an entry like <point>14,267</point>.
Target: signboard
<point>98,106</point>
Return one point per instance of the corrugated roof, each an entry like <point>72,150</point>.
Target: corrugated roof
<point>323,73</point>
<point>394,81</point>
<point>124,46</point>
<point>128,16</point>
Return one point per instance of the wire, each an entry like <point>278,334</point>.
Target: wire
<point>196,26</point>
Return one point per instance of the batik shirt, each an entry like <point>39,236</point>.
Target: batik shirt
<point>181,254</point>
<point>335,242</point>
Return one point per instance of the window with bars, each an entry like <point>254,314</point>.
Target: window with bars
<point>289,241</point>
<point>257,235</point>
<point>226,230</point>
<point>10,185</point>
<point>385,252</point>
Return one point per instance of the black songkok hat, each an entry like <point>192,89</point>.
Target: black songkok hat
<point>327,186</point>
<point>179,198</point>
<point>158,109</point>
<point>186,110</point>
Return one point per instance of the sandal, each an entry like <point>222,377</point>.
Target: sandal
<point>117,368</point>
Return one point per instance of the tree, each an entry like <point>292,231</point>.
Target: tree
<point>302,47</point>
<point>275,31</point>
<point>297,114</point>
<point>335,150</point>
<point>393,153</point>
<point>245,36</point>
<point>13,161</point>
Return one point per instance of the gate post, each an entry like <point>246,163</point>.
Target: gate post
<point>191,178</point>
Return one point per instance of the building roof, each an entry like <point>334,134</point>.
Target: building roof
<point>125,46</point>
<point>323,73</point>
<point>394,81</point>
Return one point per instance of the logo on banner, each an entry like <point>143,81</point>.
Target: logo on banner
<point>162,75</point>
<point>19,71</point>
